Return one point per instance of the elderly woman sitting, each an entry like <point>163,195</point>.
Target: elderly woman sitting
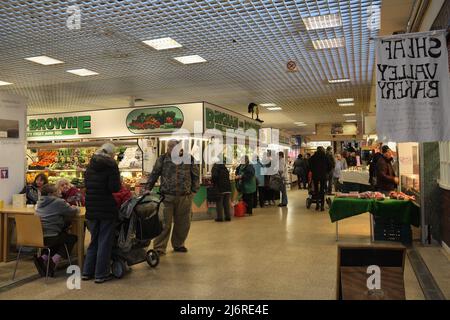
<point>69,192</point>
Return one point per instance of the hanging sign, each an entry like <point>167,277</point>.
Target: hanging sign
<point>412,87</point>
<point>291,66</point>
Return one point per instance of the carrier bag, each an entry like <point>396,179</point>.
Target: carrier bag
<point>240,209</point>
<point>276,182</point>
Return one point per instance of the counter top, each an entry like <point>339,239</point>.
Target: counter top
<point>27,210</point>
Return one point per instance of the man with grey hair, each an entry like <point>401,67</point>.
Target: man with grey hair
<point>180,180</point>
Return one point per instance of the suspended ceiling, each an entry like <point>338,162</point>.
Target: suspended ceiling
<point>246,44</point>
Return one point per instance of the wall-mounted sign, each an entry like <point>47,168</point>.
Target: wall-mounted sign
<point>4,173</point>
<point>115,123</point>
<point>59,126</point>
<point>291,66</point>
<point>316,144</point>
<point>220,119</point>
<point>155,120</point>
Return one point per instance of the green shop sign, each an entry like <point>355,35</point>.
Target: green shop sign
<point>222,121</point>
<point>61,126</point>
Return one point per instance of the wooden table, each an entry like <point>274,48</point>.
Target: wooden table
<point>9,212</point>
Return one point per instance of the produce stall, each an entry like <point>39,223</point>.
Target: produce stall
<point>61,145</point>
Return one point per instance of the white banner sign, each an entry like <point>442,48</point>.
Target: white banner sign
<point>412,88</point>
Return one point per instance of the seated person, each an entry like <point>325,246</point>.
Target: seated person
<point>54,213</point>
<point>33,190</point>
<point>70,193</point>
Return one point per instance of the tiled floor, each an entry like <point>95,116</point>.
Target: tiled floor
<point>287,253</point>
<point>438,262</point>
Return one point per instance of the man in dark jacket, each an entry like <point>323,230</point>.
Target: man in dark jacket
<point>102,179</point>
<point>320,167</point>
<point>373,167</point>
<point>386,178</point>
<point>179,183</point>
<point>330,157</point>
<point>220,177</point>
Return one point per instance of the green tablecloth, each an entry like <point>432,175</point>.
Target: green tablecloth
<point>405,212</point>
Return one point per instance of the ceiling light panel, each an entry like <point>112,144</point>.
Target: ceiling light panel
<point>190,59</point>
<point>44,60</point>
<point>83,72</point>
<point>162,43</point>
<point>252,67</point>
<point>4,83</point>
<point>322,22</point>
<point>332,81</point>
<point>348,104</point>
<point>328,43</point>
<point>274,108</point>
<point>349,114</point>
<point>266,105</point>
<point>343,100</point>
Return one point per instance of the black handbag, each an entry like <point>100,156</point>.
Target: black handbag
<point>212,194</point>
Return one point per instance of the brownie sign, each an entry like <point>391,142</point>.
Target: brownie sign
<point>412,87</point>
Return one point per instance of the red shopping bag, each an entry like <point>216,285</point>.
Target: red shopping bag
<point>240,209</point>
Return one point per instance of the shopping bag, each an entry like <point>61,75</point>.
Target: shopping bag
<point>276,182</point>
<point>240,209</point>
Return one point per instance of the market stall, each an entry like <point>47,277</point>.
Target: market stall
<point>355,179</point>
<point>61,145</point>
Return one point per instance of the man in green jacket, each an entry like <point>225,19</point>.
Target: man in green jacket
<point>179,183</point>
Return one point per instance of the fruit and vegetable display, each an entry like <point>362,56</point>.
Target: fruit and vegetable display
<point>45,158</point>
<point>131,158</point>
<point>150,119</point>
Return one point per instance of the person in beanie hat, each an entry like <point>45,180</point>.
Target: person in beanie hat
<point>102,179</point>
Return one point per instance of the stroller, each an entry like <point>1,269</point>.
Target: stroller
<point>140,221</point>
<point>313,197</point>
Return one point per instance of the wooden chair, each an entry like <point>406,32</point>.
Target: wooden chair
<point>30,234</point>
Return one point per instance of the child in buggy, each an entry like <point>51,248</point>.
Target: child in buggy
<point>140,221</point>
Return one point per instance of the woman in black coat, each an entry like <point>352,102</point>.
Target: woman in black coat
<point>102,179</point>
<point>320,166</point>
<point>221,182</point>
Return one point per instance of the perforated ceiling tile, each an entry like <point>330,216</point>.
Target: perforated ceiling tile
<point>246,43</point>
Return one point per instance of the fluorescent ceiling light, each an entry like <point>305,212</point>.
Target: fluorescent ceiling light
<point>83,72</point>
<point>274,108</point>
<point>321,22</point>
<point>162,43</point>
<point>349,114</point>
<point>338,80</point>
<point>328,43</point>
<point>351,120</point>
<point>350,104</point>
<point>300,124</point>
<point>4,83</point>
<point>46,61</point>
<point>345,100</point>
<point>268,105</point>
<point>190,59</point>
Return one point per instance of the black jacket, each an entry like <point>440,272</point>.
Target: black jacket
<point>102,179</point>
<point>385,175</point>
<point>320,166</point>
<point>31,192</point>
<point>220,177</point>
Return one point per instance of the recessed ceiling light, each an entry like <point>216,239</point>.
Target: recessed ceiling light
<point>345,100</point>
<point>274,108</point>
<point>266,105</point>
<point>350,104</point>
<point>349,114</point>
<point>321,22</point>
<point>328,43</point>
<point>4,83</point>
<point>338,80</point>
<point>190,59</point>
<point>46,61</point>
<point>83,72</point>
<point>162,43</point>
<point>351,120</point>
